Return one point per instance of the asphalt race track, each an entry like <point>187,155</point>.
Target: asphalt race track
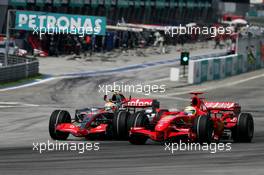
<point>24,116</point>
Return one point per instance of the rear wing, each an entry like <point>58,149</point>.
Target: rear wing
<point>141,103</point>
<point>223,106</point>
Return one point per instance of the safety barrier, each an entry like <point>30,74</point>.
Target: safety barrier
<point>249,57</point>
<point>18,68</point>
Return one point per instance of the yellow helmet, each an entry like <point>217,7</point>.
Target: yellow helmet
<point>189,110</point>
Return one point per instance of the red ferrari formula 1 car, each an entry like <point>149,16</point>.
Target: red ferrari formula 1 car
<point>111,121</point>
<point>201,122</point>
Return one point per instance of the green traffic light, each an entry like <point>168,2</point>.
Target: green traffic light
<point>185,57</point>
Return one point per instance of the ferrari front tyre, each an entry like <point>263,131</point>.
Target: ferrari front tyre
<point>120,125</point>
<point>203,128</point>
<point>244,130</point>
<point>137,139</point>
<point>57,117</point>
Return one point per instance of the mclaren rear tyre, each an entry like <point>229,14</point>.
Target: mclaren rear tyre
<point>120,131</point>
<point>244,130</point>
<point>130,121</point>
<point>57,117</point>
<point>203,128</point>
<point>137,139</point>
<point>139,119</point>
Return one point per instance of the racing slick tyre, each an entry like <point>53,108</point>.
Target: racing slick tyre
<point>244,130</point>
<point>130,121</point>
<point>57,117</point>
<point>138,119</point>
<point>137,139</point>
<point>203,128</point>
<point>120,125</point>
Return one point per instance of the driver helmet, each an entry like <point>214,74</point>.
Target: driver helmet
<point>109,106</point>
<point>189,110</point>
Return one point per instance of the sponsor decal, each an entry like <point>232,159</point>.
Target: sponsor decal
<point>58,23</point>
<point>139,102</point>
<point>219,104</point>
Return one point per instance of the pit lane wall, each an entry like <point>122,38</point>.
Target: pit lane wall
<point>18,68</point>
<point>249,57</point>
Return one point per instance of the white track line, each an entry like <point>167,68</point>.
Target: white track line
<point>29,105</point>
<point>158,80</point>
<point>9,103</point>
<point>217,86</point>
<point>29,84</point>
<point>16,105</point>
<point>7,106</point>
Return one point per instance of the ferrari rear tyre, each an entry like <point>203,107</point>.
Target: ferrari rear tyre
<point>57,117</point>
<point>244,130</point>
<point>137,139</point>
<point>203,128</point>
<point>120,125</point>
